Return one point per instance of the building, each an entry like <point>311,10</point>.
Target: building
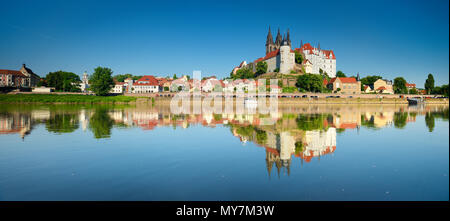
<point>212,85</point>
<point>119,88</point>
<point>23,78</point>
<point>146,84</point>
<point>322,61</point>
<point>279,55</point>
<point>383,86</point>
<point>410,86</point>
<point>307,65</point>
<point>345,85</point>
<point>84,85</point>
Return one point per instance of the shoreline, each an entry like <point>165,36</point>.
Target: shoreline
<point>124,99</point>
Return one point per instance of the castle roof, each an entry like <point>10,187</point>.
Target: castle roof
<point>329,54</point>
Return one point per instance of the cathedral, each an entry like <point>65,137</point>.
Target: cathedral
<point>273,46</point>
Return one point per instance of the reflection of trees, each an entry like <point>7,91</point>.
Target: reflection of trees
<point>311,121</point>
<point>62,123</point>
<point>101,123</point>
<point>429,121</point>
<point>400,119</point>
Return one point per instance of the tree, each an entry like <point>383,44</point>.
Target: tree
<point>175,76</point>
<point>63,81</point>
<point>340,74</point>
<point>122,77</point>
<point>261,68</point>
<point>429,121</point>
<point>298,57</point>
<point>413,91</point>
<point>429,84</point>
<point>244,73</point>
<point>101,81</point>
<point>101,123</point>
<point>310,82</point>
<point>400,86</point>
<point>369,80</point>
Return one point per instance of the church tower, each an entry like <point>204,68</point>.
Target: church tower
<point>269,42</point>
<point>278,40</point>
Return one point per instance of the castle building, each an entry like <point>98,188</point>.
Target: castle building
<point>324,60</point>
<point>279,55</point>
<point>281,58</point>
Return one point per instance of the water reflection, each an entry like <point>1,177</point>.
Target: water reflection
<point>303,132</point>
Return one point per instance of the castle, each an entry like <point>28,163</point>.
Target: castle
<point>280,57</point>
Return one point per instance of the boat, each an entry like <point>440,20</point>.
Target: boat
<point>415,100</point>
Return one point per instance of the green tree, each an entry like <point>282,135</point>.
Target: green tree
<point>63,81</point>
<point>101,81</point>
<point>429,84</point>
<point>369,80</point>
<point>62,123</point>
<point>413,91</point>
<point>101,123</point>
<point>400,119</point>
<point>122,77</point>
<point>244,73</point>
<point>261,68</point>
<point>429,121</point>
<point>175,76</point>
<point>310,82</point>
<point>340,74</point>
<point>298,57</point>
<point>400,85</point>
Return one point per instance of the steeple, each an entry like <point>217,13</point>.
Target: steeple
<point>301,43</point>
<point>269,38</point>
<point>319,46</point>
<point>357,77</point>
<point>278,40</point>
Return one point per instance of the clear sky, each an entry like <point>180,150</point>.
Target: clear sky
<point>391,38</point>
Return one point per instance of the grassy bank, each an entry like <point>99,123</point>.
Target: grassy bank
<point>63,98</point>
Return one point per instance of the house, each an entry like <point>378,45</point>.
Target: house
<point>119,88</point>
<point>146,84</point>
<point>367,89</point>
<point>383,86</point>
<point>345,85</point>
<point>23,78</point>
<point>274,88</point>
<point>410,86</point>
<point>212,84</point>
<point>180,84</point>
<point>308,66</point>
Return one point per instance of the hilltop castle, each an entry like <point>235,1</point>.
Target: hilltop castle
<point>280,57</point>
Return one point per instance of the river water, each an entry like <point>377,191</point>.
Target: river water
<point>321,152</point>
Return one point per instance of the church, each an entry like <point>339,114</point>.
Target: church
<point>280,57</point>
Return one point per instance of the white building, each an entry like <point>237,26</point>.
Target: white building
<point>146,84</point>
<point>119,88</point>
<point>282,59</point>
<point>324,60</point>
<point>84,85</point>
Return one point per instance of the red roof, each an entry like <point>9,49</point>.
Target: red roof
<point>11,72</point>
<point>381,88</point>
<point>147,80</point>
<point>344,80</point>
<point>268,55</point>
<point>325,81</point>
<point>410,85</point>
<point>308,47</point>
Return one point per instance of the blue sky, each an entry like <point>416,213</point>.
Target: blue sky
<point>392,38</point>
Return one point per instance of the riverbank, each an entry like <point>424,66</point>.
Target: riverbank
<point>64,98</point>
<point>122,99</point>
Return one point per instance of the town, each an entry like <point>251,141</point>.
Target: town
<point>307,69</point>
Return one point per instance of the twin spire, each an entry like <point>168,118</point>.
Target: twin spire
<point>279,40</point>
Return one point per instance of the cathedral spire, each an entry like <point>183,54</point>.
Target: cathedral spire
<point>269,37</point>
<point>278,40</point>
